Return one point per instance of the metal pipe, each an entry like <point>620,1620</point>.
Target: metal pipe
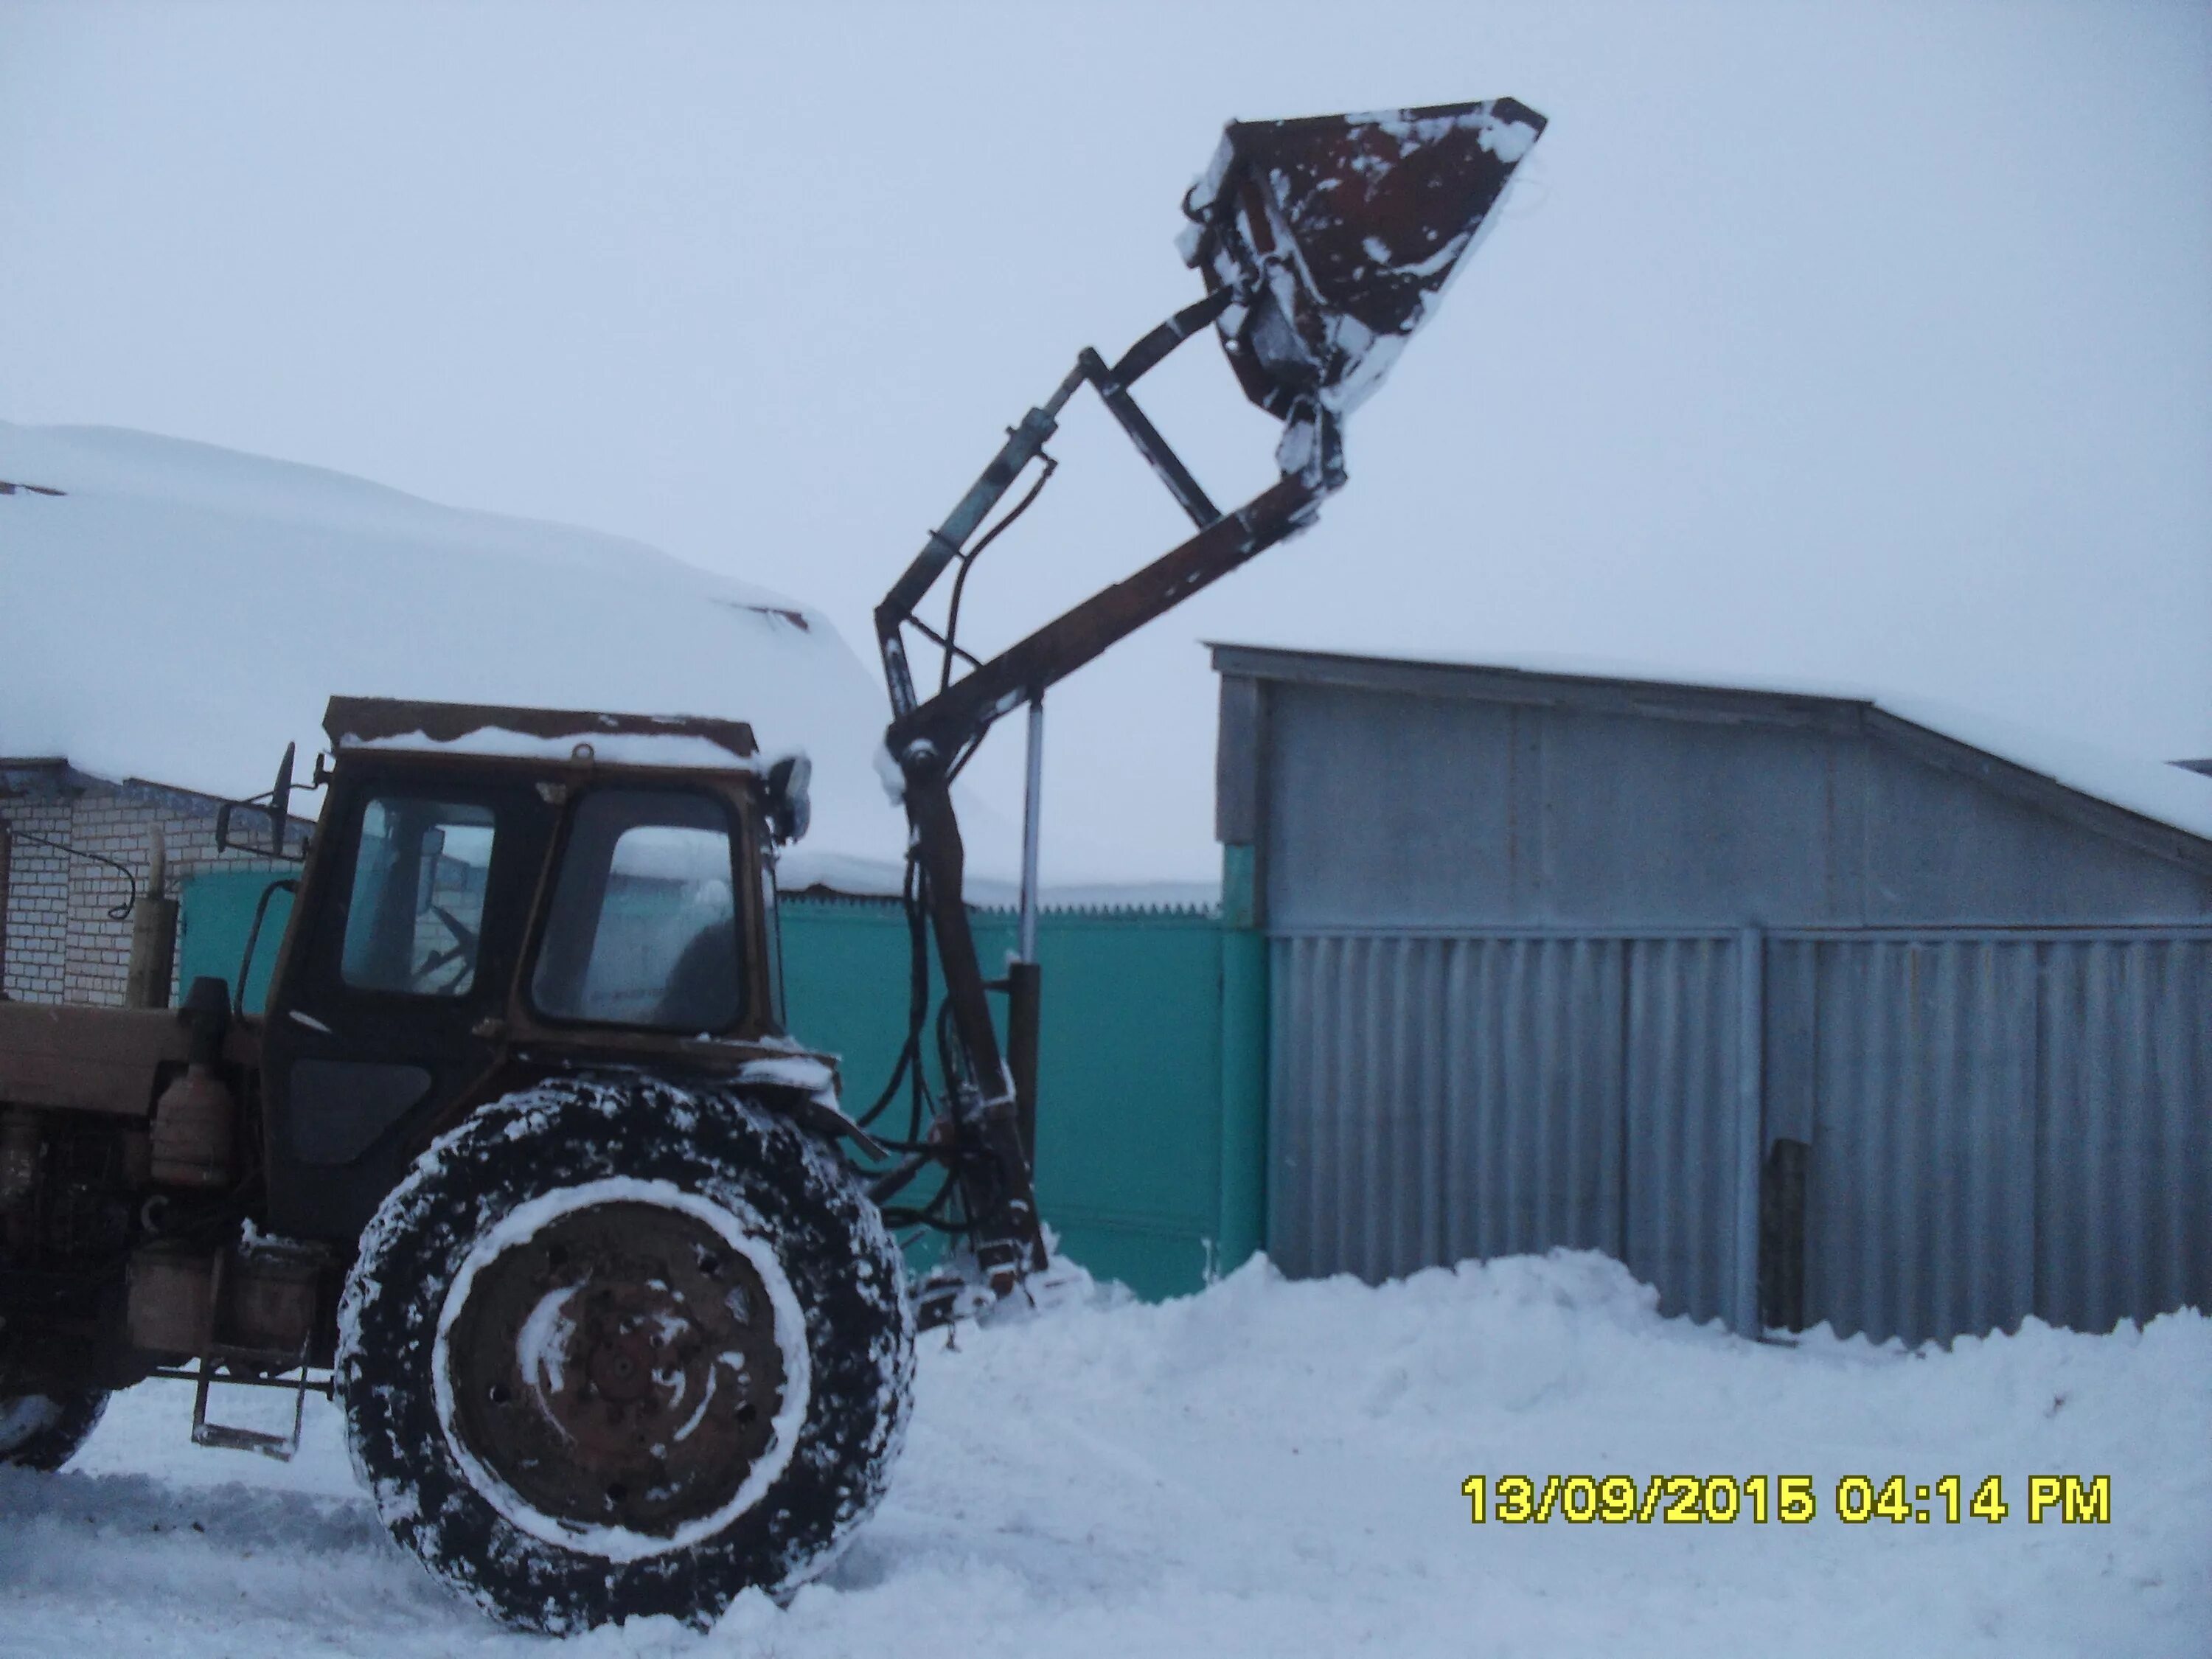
<point>152,936</point>
<point>1031,803</point>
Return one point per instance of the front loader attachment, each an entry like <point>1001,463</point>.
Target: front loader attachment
<point>1324,244</point>
<point>1336,234</point>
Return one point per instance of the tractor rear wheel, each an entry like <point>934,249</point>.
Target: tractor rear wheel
<point>618,1347</point>
<point>43,1427</point>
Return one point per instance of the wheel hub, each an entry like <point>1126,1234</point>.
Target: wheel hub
<point>619,1367</point>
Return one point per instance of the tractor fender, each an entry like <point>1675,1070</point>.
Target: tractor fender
<point>805,1089</point>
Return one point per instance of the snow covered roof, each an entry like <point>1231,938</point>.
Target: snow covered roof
<point>178,613</point>
<point>2171,794</point>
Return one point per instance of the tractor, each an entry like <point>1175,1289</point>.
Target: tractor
<point>520,1162</point>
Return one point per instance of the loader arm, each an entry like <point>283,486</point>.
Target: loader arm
<point>1324,244</point>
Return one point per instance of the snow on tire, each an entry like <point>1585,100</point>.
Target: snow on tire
<point>43,1430</point>
<point>617,1347</point>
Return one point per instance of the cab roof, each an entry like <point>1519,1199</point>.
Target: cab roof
<point>690,741</point>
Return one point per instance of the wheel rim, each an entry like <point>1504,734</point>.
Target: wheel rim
<point>616,1367</point>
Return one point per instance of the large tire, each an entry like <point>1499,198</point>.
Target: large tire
<point>617,1347</point>
<point>42,1428</point>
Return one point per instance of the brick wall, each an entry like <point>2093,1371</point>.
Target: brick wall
<point>60,944</point>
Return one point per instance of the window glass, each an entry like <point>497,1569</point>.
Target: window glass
<point>643,929</point>
<point>418,897</point>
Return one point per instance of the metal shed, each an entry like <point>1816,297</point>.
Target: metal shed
<point>1803,1009</point>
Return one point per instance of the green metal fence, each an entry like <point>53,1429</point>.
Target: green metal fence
<point>214,914</point>
<point>1152,1076</point>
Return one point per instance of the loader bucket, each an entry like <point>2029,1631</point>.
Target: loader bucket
<point>1337,233</point>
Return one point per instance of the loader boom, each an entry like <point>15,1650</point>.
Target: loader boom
<point>1324,244</point>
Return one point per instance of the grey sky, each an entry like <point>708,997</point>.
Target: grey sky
<point>1866,342</point>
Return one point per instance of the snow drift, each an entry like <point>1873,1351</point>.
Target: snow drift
<point>1275,1469</point>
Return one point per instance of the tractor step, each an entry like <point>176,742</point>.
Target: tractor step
<point>282,1447</point>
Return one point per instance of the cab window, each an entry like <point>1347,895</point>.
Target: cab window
<point>416,909</point>
<point>643,926</point>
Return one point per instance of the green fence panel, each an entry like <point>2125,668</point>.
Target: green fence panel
<point>1129,1094</point>
<point>215,914</point>
<point>1131,1073</point>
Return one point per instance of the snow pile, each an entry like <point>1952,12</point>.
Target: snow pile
<point>1275,1468</point>
<point>180,612</point>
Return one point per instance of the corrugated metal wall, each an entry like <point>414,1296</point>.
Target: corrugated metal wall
<point>1688,1190</point>
<point>1921,1216</point>
<point>2000,1123</point>
<point>2006,1125</point>
<point>1436,1097</point>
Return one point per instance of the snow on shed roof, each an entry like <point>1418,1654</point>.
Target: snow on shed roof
<point>2168,794</point>
<point>179,612</point>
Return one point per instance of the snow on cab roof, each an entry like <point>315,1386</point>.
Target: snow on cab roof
<point>2165,793</point>
<point>557,734</point>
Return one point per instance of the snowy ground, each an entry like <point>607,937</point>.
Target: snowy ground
<point>1275,1468</point>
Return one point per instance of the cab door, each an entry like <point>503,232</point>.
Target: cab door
<point>393,988</point>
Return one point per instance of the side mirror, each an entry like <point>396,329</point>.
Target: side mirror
<point>280,800</point>
<point>790,809</point>
<point>278,811</point>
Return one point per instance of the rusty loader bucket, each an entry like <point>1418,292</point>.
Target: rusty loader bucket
<point>1335,236</point>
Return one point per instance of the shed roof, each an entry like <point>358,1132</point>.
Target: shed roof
<point>2064,773</point>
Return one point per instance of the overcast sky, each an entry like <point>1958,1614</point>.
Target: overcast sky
<point>1869,343</point>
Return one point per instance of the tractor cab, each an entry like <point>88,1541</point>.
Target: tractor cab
<point>493,894</point>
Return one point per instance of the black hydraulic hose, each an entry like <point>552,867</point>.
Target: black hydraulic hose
<point>968,563</point>
<point>917,1003</point>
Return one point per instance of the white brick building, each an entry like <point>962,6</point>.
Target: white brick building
<point>59,943</point>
